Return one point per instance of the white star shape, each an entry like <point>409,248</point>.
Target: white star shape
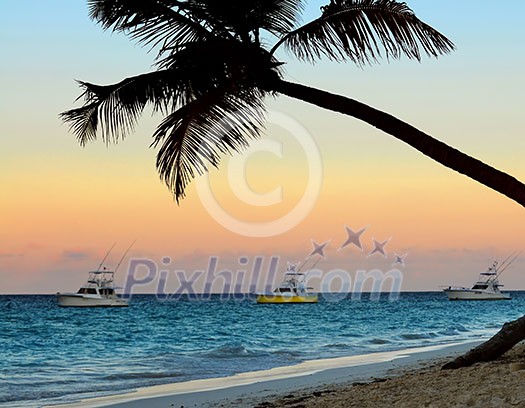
<point>400,259</point>
<point>379,247</point>
<point>291,267</point>
<point>318,248</point>
<point>353,238</point>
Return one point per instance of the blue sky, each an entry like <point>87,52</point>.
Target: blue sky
<point>56,194</point>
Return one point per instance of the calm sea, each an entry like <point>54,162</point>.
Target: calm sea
<point>52,354</point>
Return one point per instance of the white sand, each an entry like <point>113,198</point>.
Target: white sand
<point>496,384</point>
<point>246,389</point>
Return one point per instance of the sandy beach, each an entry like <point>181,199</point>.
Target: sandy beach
<point>495,384</point>
<point>407,378</point>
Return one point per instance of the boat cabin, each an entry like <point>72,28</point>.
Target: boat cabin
<point>87,291</point>
<point>479,286</point>
<point>283,290</point>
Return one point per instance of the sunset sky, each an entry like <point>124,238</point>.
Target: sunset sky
<point>63,206</point>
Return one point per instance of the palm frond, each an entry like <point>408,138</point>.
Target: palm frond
<point>243,16</point>
<point>279,16</point>
<point>83,122</point>
<point>114,109</point>
<point>362,30</point>
<point>199,133</point>
<point>195,70</point>
<point>217,62</point>
<point>153,23</point>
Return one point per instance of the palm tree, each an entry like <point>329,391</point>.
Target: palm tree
<point>214,69</point>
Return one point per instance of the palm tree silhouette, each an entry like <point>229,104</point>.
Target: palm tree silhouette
<point>214,68</point>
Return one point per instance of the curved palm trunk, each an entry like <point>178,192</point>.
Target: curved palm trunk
<point>439,151</point>
<point>512,332</point>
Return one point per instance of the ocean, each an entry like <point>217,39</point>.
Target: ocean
<point>53,355</point>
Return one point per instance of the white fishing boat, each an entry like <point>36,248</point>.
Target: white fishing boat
<point>293,289</point>
<point>98,291</point>
<point>487,286</point>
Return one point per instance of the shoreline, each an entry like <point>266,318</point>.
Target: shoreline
<point>258,385</point>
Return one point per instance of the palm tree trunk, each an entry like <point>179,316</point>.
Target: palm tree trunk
<point>437,150</point>
<point>512,332</point>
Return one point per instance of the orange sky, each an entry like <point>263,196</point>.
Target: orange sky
<point>62,206</point>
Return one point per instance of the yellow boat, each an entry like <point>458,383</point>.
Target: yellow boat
<point>293,289</point>
<point>281,298</point>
